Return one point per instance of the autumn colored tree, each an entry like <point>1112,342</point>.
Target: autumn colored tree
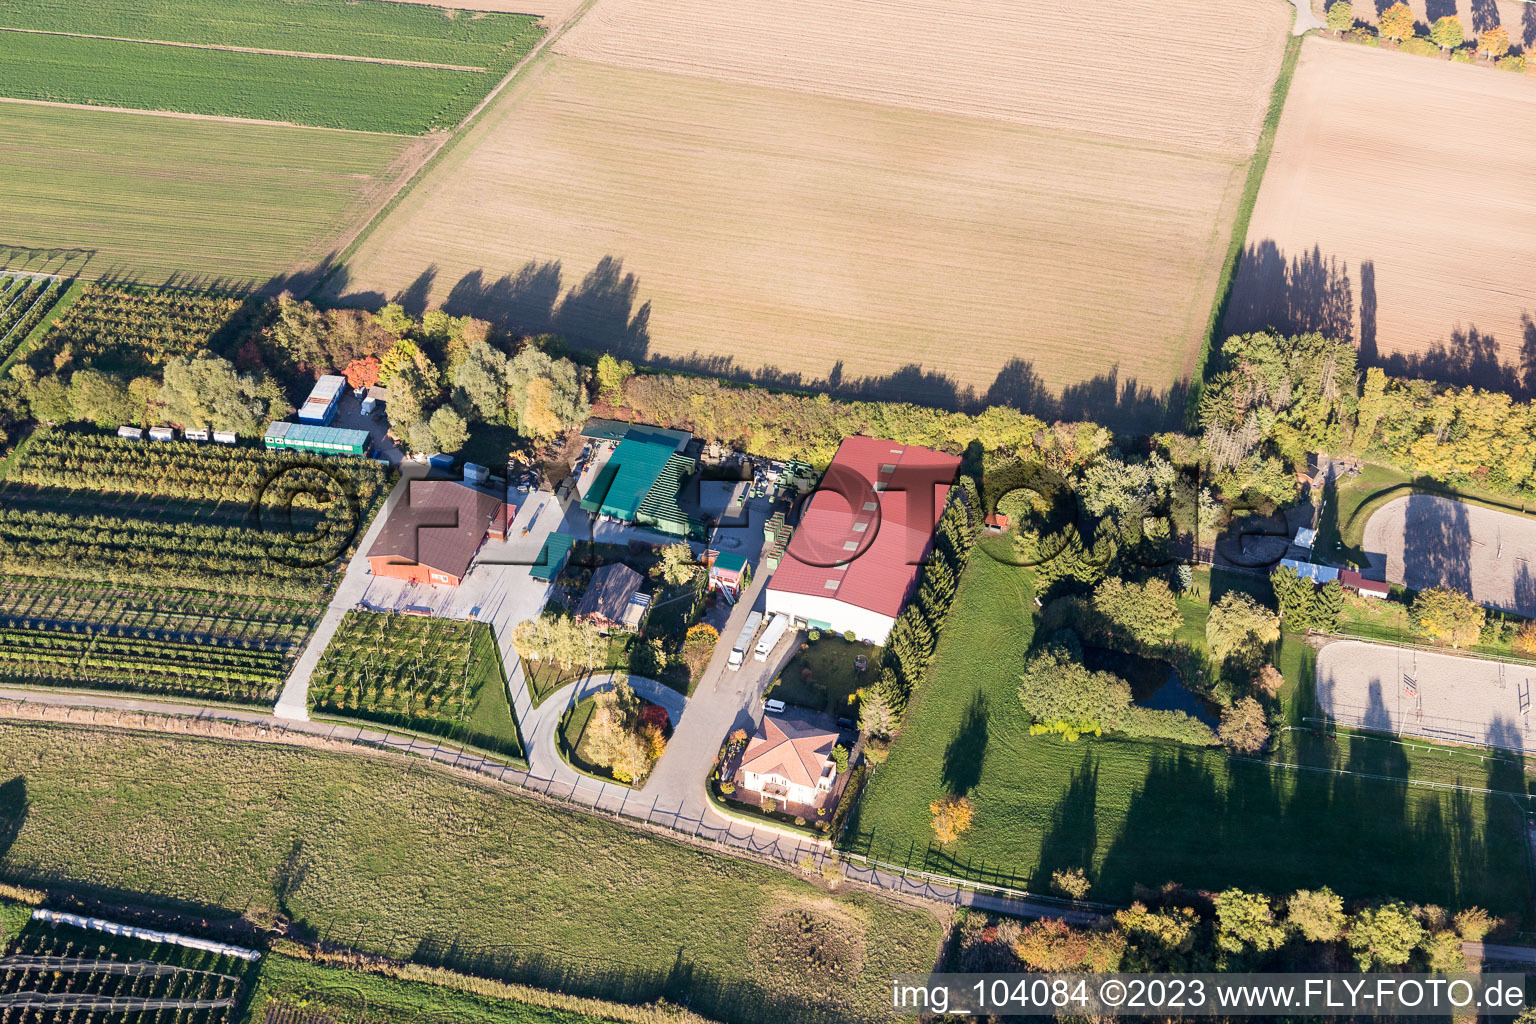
<point>1244,726</point>
<point>1494,41</point>
<point>1318,914</point>
<point>1341,16</point>
<point>951,816</point>
<point>1396,22</point>
<point>362,373</point>
<point>1446,616</point>
<point>1053,945</point>
<point>1447,32</point>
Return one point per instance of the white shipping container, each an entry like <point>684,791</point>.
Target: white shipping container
<point>133,433</point>
<point>224,436</point>
<point>162,433</point>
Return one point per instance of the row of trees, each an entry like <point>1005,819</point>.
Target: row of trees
<point>560,638</point>
<point>915,633</point>
<point>1233,930</point>
<point>1399,24</point>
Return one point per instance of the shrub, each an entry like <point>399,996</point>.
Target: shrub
<point>850,636</point>
<point>1474,924</point>
<point>1053,945</point>
<point>799,821</point>
<point>1421,47</point>
<point>1269,681</point>
<point>1463,56</point>
<point>1071,882</point>
<point>1152,724</point>
<point>814,635</point>
<point>1515,63</point>
<point>727,788</point>
<point>1448,616</point>
<point>769,805</point>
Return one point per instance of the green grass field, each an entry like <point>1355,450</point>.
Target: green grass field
<point>1138,812</point>
<point>151,197</point>
<point>326,93</point>
<point>373,29</point>
<point>400,859</point>
<point>292,991</point>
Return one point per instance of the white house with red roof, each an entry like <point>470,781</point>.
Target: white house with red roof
<point>789,759</point>
<point>863,537</point>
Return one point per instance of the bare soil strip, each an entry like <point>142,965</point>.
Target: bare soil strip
<point>250,49</point>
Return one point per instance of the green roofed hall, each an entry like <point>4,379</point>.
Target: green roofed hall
<point>311,438</point>
<point>552,556</point>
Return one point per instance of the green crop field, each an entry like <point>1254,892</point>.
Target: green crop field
<point>1140,812</point>
<point>390,856</point>
<point>151,197</point>
<point>301,90</point>
<point>373,29</point>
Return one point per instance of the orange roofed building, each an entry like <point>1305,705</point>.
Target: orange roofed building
<point>789,760</point>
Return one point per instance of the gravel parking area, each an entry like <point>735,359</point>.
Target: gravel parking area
<point>1476,550</point>
<point>1440,697</point>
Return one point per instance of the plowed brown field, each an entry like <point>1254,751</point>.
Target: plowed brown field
<point>1414,235</point>
<point>878,191</point>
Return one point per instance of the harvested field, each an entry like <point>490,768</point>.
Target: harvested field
<point>973,57</point>
<point>1441,697</point>
<point>1399,236</point>
<point>1517,16</point>
<point>149,197</point>
<point>1475,550</point>
<point>737,221</point>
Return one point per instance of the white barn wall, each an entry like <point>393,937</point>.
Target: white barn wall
<point>866,625</point>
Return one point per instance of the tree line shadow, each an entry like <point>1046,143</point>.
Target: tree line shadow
<point>1367,834</point>
<point>1308,291</point>
<point>606,312</point>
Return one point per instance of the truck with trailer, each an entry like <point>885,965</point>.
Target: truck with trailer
<point>777,627</point>
<point>744,641</point>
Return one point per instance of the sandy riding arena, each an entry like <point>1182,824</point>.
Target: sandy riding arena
<point>1418,693</point>
<point>930,201</point>
<point>1389,228</point>
<point>1426,541</point>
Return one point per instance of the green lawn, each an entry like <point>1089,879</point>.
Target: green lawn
<point>1138,812</point>
<point>152,197</point>
<point>823,676</point>
<point>325,93</point>
<point>286,985</point>
<point>393,31</point>
<point>397,858</point>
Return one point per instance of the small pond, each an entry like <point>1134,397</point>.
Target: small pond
<point>1154,684</point>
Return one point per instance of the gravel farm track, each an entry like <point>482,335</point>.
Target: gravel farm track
<point>1434,285</point>
<point>855,192</point>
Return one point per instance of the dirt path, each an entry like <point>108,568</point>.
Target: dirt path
<point>250,49</point>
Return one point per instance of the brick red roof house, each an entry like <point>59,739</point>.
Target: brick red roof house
<point>433,532</point>
<point>789,758</point>
<point>863,536</point>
